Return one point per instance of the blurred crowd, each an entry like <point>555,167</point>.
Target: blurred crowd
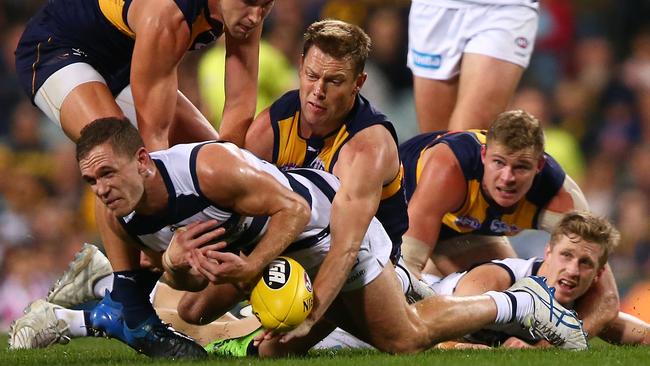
<point>588,82</point>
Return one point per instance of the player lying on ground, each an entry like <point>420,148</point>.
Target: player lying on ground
<point>574,259</point>
<point>149,195</point>
<point>469,190</point>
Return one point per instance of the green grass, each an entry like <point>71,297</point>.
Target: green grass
<point>96,351</point>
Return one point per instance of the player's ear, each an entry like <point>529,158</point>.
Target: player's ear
<point>541,162</point>
<point>361,79</point>
<point>144,162</point>
<point>483,153</point>
<point>547,251</point>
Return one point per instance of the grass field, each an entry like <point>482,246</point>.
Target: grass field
<point>97,351</point>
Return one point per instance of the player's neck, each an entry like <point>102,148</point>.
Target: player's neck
<point>155,197</point>
<point>308,130</point>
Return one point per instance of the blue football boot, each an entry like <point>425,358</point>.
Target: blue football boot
<point>152,337</point>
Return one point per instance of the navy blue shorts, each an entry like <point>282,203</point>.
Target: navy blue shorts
<point>46,47</point>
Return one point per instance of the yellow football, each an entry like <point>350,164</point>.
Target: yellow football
<point>283,297</point>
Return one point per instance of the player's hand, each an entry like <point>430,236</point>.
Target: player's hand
<point>299,331</point>
<point>223,267</point>
<point>190,237</point>
<point>514,342</point>
<point>266,334</point>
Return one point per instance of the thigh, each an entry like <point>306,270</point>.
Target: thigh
<point>379,315</point>
<point>499,47</point>
<point>434,102</point>
<point>485,89</point>
<point>460,253</point>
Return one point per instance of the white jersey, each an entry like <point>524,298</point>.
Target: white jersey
<point>187,204</point>
<point>459,3</point>
<point>494,335</point>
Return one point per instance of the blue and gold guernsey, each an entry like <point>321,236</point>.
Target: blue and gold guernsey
<point>477,215</point>
<point>290,150</point>
<point>95,32</point>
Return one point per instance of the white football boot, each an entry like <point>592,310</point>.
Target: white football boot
<point>75,287</point>
<point>550,320</point>
<point>38,328</point>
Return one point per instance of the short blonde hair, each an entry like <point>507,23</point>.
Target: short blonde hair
<point>340,40</point>
<point>516,130</point>
<point>590,228</point>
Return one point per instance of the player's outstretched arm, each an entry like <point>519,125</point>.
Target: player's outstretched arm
<point>242,63</point>
<point>366,161</point>
<point>162,38</point>
<point>441,188</point>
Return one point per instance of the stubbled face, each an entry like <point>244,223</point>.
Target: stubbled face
<point>328,87</point>
<point>571,266</point>
<point>508,176</point>
<point>241,17</point>
<point>114,178</point>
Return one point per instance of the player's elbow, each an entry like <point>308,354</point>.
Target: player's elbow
<point>301,211</point>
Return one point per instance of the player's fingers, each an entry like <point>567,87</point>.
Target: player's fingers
<point>197,228</point>
<point>209,236</point>
<point>221,256</point>
<point>213,247</point>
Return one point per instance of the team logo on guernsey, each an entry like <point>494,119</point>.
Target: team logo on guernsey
<point>498,226</point>
<point>317,164</point>
<point>468,222</point>
<point>522,42</point>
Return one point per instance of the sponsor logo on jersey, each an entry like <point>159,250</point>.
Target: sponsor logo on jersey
<point>426,60</point>
<point>468,222</point>
<point>498,226</point>
<point>278,273</point>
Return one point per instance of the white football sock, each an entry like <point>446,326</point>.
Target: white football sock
<point>75,319</point>
<point>519,303</point>
<point>403,278</point>
<point>103,284</point>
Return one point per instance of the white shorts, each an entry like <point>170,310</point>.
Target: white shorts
<point>373,256</point>
<point>439,35</point>
<point>55,89</point>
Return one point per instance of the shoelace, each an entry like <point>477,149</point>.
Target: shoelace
<point>59,336</point>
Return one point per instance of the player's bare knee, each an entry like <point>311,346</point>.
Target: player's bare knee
<point>192,311</point>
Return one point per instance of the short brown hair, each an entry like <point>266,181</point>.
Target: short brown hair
<point>340,40</point>
<point>590,228</point>
<point>516,130</point>
<point>119,133</point>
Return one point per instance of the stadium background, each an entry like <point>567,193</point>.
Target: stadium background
<point>589,82</point>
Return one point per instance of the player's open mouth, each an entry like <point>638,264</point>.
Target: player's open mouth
<point>566,284</point>
<point>507,191</point>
